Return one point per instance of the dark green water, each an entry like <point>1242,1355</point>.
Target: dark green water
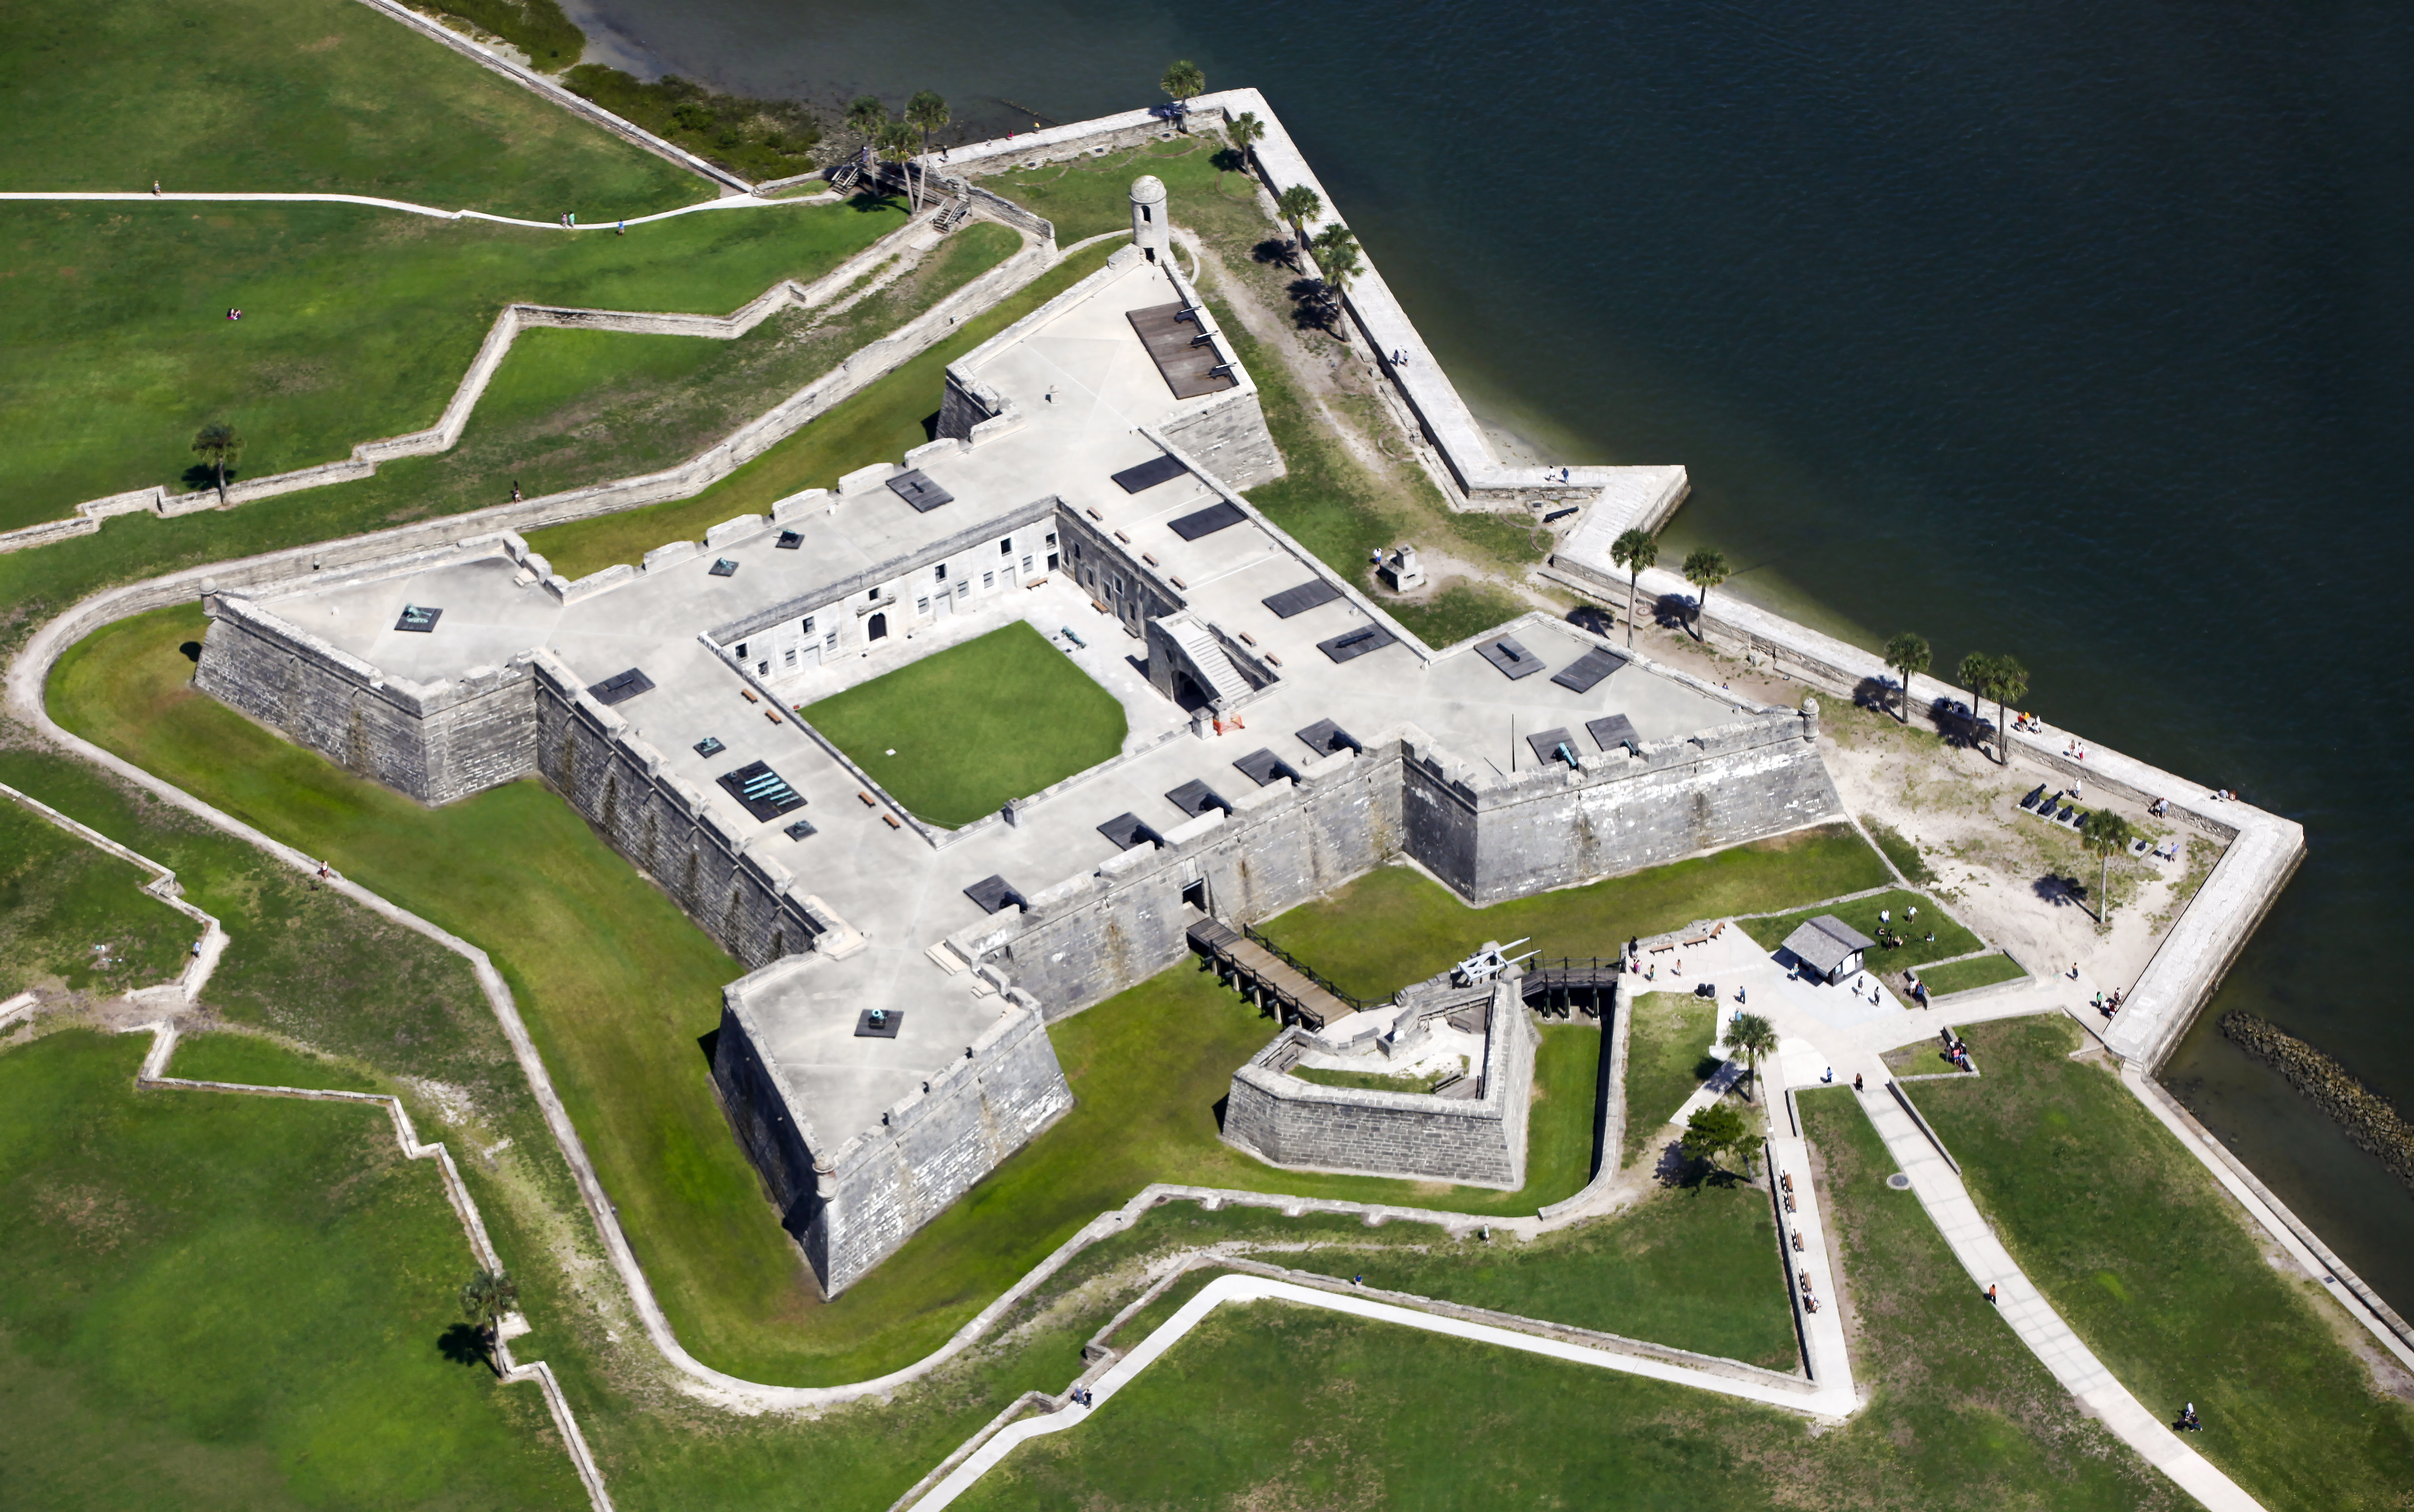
<point>2084,332</point>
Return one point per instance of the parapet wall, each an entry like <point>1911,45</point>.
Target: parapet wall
<point>754,908</point>
<point>851,1205</point>
<point>435,741</point>
<point>1480,1142</point>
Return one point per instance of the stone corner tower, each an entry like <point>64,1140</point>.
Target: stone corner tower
<point>1148,216</point>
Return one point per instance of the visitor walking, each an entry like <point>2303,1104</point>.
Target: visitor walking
<point>1856,1081</point>
<point>155,186</point>
<point>515,490</point>
<point>1991,1298</point>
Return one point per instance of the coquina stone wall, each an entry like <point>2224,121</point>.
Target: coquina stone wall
<point>852,1203</point>
<point>1488,837</point>
<point>1493,837</point>
<point>1092,936</point>
<point>1481,1142</point>
<point>755,908</point>
<point>437,742</point>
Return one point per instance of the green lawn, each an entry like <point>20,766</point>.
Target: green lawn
<point>1019,716</point>
<point>1978,972</point>
<point>1277,1406</point>
<point>881,422</point>
<point>255,1061</point>
<point>1093,196</point>
<point>1696,1268</point>
<point>1378,1081</point>
<point>223,1301</point>
<point>298,95</point>
<point>358,323</point>
<point>569,409</point>
<point>2141,1252</point>
<point>74,914</point>
<point>1862,914</point>
<point>1667,1058</point>
<point>1395,925</point>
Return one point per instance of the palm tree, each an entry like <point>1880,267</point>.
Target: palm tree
<point>1978,674</point>
<point>927,113</point>
<point>1336,253</point>
<point>1907,654</point>
<point>219,446</point>
<point>1754,1039</point>
<point>865,116</point>
<point>1633,550</point>
<point>2107,835</point>
<point>1299,204</point>
<point>2011,686</point>
<point>1184,81</point>
<point>489,1298</point>
<point>1244,131</point>
<point>1705,569</point>
<point>897,139</point>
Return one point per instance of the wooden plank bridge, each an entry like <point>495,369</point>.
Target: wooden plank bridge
<point>1269,978</point>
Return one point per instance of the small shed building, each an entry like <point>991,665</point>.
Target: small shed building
<point>1828,947</point>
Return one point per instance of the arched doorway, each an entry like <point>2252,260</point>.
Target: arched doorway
<point>878,629</point>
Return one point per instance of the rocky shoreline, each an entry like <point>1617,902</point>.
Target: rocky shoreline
<point>2370,1120</point>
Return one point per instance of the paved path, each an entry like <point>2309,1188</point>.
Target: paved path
<point>730,202</point>
<point>1832,1402</point>
<point>2033,1318</point>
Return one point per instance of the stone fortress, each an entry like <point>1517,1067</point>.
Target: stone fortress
<point>887,1047</point>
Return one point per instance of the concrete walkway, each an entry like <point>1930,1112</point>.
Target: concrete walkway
<point>2041,1329</point>
<point>731,201</point>
<point>1831,1402</point>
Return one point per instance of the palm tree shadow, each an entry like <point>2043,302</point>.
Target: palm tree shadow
<point>462,1344</point>
<point>203,475</point>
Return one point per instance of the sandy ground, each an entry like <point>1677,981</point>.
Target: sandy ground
<point>2025,886</point>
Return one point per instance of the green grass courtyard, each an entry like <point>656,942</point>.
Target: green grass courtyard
<point>956,735</point>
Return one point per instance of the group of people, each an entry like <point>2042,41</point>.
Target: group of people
<point>2075,749</point>
<point>2108,1003</point>
<point>2224,794</point>
<point>1955,1052</point>
<point>1082,1396</point>
<point>233,314</point>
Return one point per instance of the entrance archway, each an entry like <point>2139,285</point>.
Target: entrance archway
<point>878,628</point>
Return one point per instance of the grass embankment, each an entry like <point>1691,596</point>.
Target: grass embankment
<point>618,988</point>
<point>882,422</point>
<point>76,916</point>
<point>298,97</point>
<point>1963,976</point>
<point>1395,925</point>
<point>1962,1417</point>
<point>1862,914</point>
<point>1696,1268</point>
<point>225,1301</point>
<point>568,409</point>
<point>2144,1255</point>
<point>1667,1058</point>
<point>1020,717</point>
<point>357,323</point>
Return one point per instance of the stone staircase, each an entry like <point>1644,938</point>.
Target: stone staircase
<point>1223,679</point>
<point>954,215</point>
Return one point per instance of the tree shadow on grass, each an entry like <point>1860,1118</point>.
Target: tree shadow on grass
<point>203,475</point>
<point>462,1344</point>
